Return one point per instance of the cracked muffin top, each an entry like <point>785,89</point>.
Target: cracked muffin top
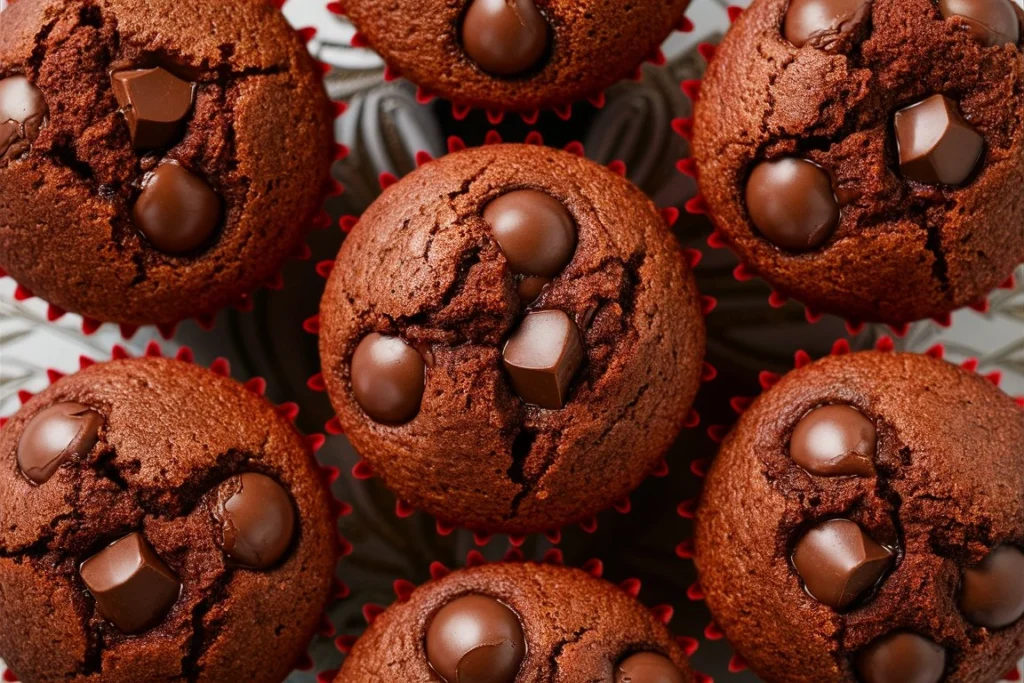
<point>864,522</point>
<point>517,623</point>
<point>158,160</point>
<point>866,157</point>
<point>517,55</point>
<point>160,523</point>
<point>512,338</point>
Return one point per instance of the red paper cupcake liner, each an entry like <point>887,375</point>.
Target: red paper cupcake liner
<point>698,206</point>
<point>244,303</point>
<point>496,116</point>
<point>687,509</point>
<point>363,470</point>
<point>289,411</point>
<point>404,588</point>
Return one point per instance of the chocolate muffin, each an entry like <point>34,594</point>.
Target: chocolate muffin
<point>864,521</point>
<point>517,623</point>
<point>158,159</point>
<point>160,523</point>
<point>512,338</point>
<point>865,157</point>
<point>518,55</point>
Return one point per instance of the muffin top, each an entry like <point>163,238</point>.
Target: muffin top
<point>151,509</point>
<point>158,159</point>
<point>848,145</point>
<point>521,623</point>
<point>868,513</point>
<point>516,55</point>
<point>511,337</point>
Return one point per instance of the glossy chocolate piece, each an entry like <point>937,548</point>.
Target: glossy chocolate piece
<point>792,203</point>
<point>838,562</point>
<point>534,230</point>
<point>835,441</point>
<point>648,667</point>
<point>177,211</point>
<point>992,594</point>
<point>530,287</point>
<point>62,432</point>
<point>257,520</point>
<point>133,588</point>
<point>388,378</point>
<point>989,22</point>
<point>901,658</point>
<point>476,639</point>
<point>23,112</point>
<point>505,37</point>
<point>542,357</point>
<point>155,104</point>
<point>822,24</point>
<point>936,145</point>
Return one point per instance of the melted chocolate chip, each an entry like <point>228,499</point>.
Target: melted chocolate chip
<point>176,210</point>
<point>648,667</point>
<point>534,230</point>
<point>476,639</point>
<point>936,145</point>
<point>989,22</point>
<point>54,436</point>
<point>901,658</point>
<point>543,356</point>
<point>155,104</point>
<point>792,203</point>
<point>257,520</point>
<point>388,378</point>
<point>838,562</point>
<point>992,594</point>
<point>505,37</point>
<point>23,112</point>
<point>823,24</point>
<point>835,441</point>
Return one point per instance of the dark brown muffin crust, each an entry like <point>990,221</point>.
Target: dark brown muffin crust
<point>422,264</point>
<point>258,132</point>
<point>172,432</point>
<point>577,627</point>
<point>948,490</point>
<point>903,250</point>
<point>592,44</point>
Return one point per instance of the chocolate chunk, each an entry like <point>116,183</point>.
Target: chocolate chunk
<point>990,22</point>
<point>176,210</point>
<point>23,112</point>
<point>155,103</point>
<point>936,145</point>
<point>648,667</point>
<point>534,230</point>
<point>476,639</point>
<point>835,441</point>
<point>823,24</point>
<point>257,520</point>
<point>57,434</point>
<point>388,378</point>
<point>530,287</point>
<point>992,594</point>
<point>132,586</point>
<point>901,658</point>
<point>792,203</point>
<point>542,357</point>
<point>838,562</point>
<point>504,37</point>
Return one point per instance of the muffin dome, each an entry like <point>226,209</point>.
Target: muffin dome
<point>511,338</point>
<point>864,521</point>
<point>865,157</point>
<point>158,159</point>
<point>161,523</point>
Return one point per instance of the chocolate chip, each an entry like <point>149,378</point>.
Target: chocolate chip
<point>901,658</point>
<point>989,22</point>
<point>476,639</point>
<point>838,562</point>
<point>648,667</point>
<point>792,203</point>
<point>530,287</point>
<point>388,378</point>
<point>132,586</point>
<point>823,24</point>
<point>534,230</point>
<point>23,113</point>
<point>257,520</point>
<point>57,434</point>
<point>936,145</point>
<point>992,594</point>
<point>835,441</point>
<point>176,210</point>
<point>155,103</point>
<point>542,357</point>
<point>504,37</point>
